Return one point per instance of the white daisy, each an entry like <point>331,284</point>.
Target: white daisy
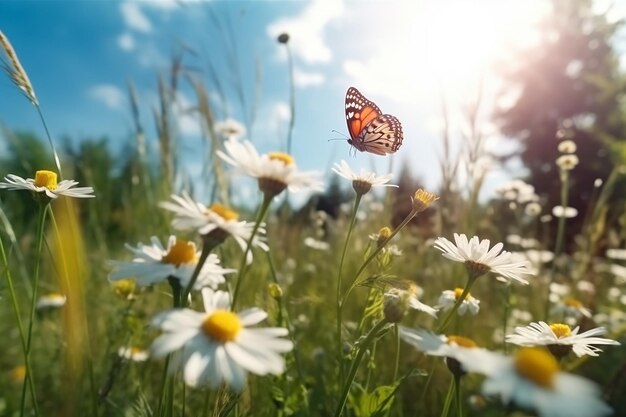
<point>567,162</point>
<point>363,181</point>
<point>313,243</point>
<point>275,171</point>
<point>52,300</point>
<point>531,380</point>
<point>230,128</point>
<point>479,259</point>
<point>560,338</point>
<point>571,307</point>
<point>219,346</point>
<point>567,212</point>
<point>214,220</point>
<point>434,344</point>
<point>439,345</point>
<point>133,353</point>
<point>448,298</point>
<point>155,263</point>
<point>46,182</point>
<point>616,253</point>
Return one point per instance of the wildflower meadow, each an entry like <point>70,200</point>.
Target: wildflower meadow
<point>130,287</point>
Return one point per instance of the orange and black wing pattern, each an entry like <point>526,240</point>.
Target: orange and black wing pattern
<point>370,130</point>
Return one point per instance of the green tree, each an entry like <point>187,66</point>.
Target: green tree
<point>571,81</point>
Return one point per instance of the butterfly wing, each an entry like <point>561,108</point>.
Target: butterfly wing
<point>370,130</point>
<point>381,136</point>
<point>359,113</point>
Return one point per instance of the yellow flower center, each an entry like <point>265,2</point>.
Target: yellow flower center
<point>282,157</point>
<point>423,199</point>
<point>18,374</point>
<point>222,325</point>
<point>124,288</point>
<point>560,330</point>
<point>46,179</point>
<point>461,341</point>
<point>183,252</point>
<point>572,302</point>
<point>222,211</point>
<point>459,291</point>
<point>536,365</point>
<point>384,233</point>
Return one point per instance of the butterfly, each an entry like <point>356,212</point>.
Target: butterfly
<point>370,129</point>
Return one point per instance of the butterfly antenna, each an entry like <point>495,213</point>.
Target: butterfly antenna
<point>340,133</point>
<point>342,138</point>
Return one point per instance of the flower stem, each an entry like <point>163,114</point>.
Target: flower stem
<point>20,327</point>
<point>448,401</point>
<point>371,336</point>
<point>507,313</point>
<point>457,391</point>
<point>560,235</point>
<point>373,255</point>
<point>54,151</point>
<point>470,281</point>
<point>357,201</point>
<point>41,220</point>
<point>206,251</point>
<point>267,199</point>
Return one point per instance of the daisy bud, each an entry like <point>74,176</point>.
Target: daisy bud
<point>383,235</point>
<point>276,292</point>
<point>395,304</point>
<point>124,288</point>
<point>283,38</point>
<point>422,200</point>
<point>567,147</point>
<point>567,162</point>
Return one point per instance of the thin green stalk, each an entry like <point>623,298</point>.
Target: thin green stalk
<point>373,255</point>
<point>560,235</point>
<point>470,281</point>
<point>448,401</point>
<point>206,251</point>
<point>357,201</point>
<point>396,365</point>
<point>355,365</point>
<point>265,205</point>
<point>292,99</point>
<point>205,405</point>
<point>167,395</point>
<point>20,326</point>
<point>507,312</point>
<point>286,320</point>
<point>54,151</point>
<point>457,390</point>
<point>41,220</point>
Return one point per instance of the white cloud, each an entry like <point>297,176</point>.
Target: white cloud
<point>134,17</point>
<point>271,124</point>
<point>108,94</point>
<point>306,31</point>
<point>280,111</point>
<point>126,42</point>
<point>307,79</point>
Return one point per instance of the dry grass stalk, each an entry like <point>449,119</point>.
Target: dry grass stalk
<point>16,71</point>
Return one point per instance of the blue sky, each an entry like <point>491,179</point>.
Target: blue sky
<point>404,55</point>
